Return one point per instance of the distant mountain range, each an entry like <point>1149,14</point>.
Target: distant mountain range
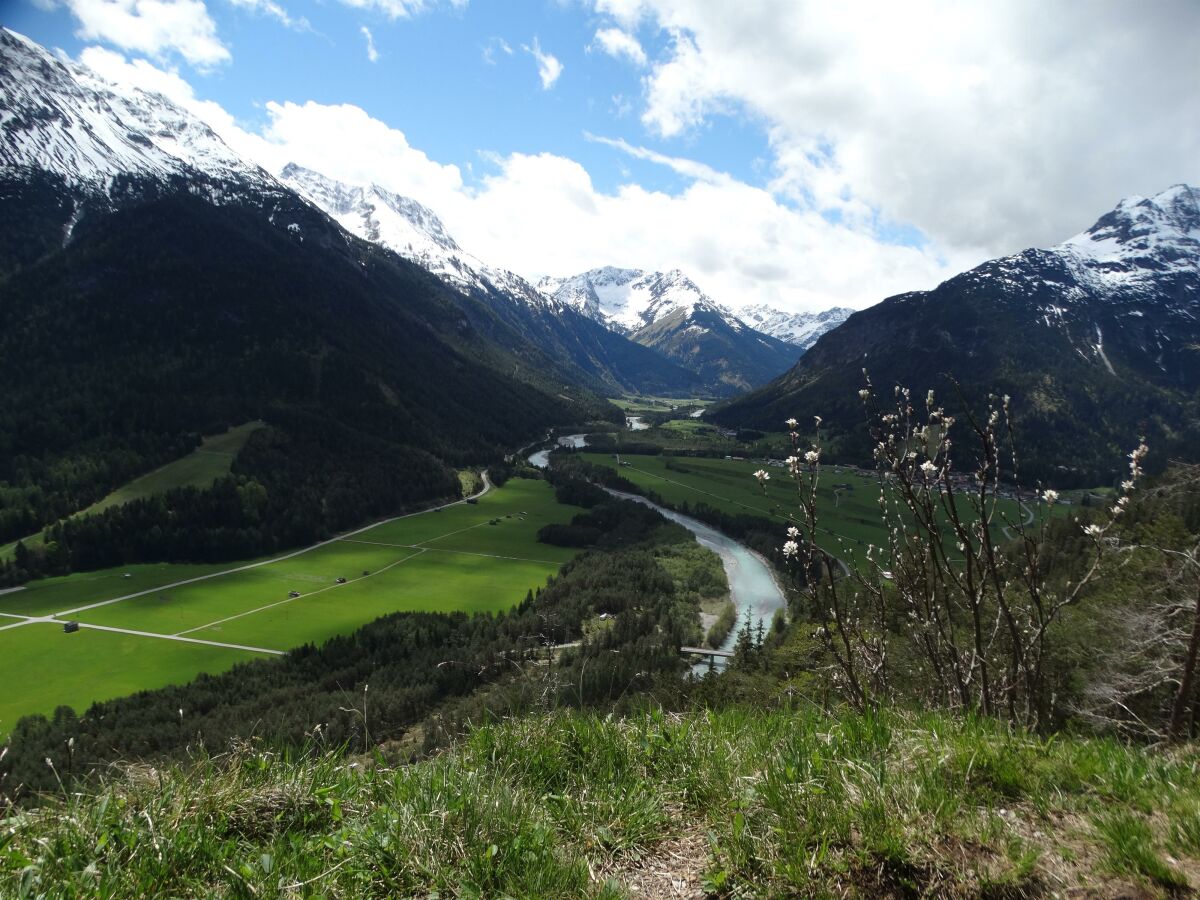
<point>1097,340</point>
<point>617,329</point>
<point>583,349</point>
<point>801,329</point>
<point>666,311</point>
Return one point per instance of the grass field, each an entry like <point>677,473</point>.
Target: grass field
<point>847,503</point>
<point>635,405</point>
<point>200,468</point>
<point>472,557</point>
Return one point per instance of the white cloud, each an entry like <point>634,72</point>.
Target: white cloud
<point>153,27</point>
<point>689,168</point>
<point>618,43</point>
<point>549,68</point>
<point>996,126</point>
<point>494,44</point>
<point>400,9</point>
<point>372,53</point>
<point>542,214</point>
<point>275,11</point>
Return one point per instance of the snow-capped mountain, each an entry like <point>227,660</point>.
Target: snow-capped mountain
<point>62,119</point>
<point>75,149</point>
<point>669,312</point>
<point>630,299</point>
<point>408,228</point>
<point>802,329</point>
<point>1095,339</point>
<point>603,359</point>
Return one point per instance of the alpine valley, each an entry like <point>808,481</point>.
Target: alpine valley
<point>353,547</point>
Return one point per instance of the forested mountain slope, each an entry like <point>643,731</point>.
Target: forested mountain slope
<point>1096,340</point>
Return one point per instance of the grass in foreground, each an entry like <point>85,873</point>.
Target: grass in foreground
<point>736,803</point>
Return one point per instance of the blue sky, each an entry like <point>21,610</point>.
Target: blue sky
<point>798,153</point>
<point>442,76</point>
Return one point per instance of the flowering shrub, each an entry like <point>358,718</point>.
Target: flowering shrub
<point>975,612</point>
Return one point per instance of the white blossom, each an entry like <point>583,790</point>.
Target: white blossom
<point>791,423</point>
<point>762,475</point>
<point>793,532</point>
<point>1093,530</point>
<point>812,456</point>
<point>929,469</point>
<point>790,549</point>
<point>1050,496</point>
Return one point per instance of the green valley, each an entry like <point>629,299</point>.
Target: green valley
<point>147,626</point>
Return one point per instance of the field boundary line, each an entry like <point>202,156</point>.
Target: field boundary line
<point>548,562</point>
<point>251,612</point>
<point>176,637</point>
<point>487,486</point>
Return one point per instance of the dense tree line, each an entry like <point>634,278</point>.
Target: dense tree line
<point>378,682</point>
<point>287,488</point>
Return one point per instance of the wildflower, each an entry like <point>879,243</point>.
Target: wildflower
<point>1050,496</point>
<point>790,549</point>
<point>929,398</point>
<point>1093,531</point>
<point>818,420</point>
<point>864,394</point>
<point>762,475</point>
<point>812,456</point>
<point>791,424</point>
<point>929,469</point>
<point>793,531</point>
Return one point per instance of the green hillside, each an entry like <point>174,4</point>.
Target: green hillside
<point>734,803</point>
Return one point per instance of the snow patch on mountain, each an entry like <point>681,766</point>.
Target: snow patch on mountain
<point>62,118</point>
<point>628,300</point>
<point>801,329</point>
<point>407,228</point>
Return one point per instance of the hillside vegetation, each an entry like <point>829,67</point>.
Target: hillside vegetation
<point>787,803</point>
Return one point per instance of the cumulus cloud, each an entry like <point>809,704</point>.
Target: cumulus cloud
<point>542,214</point>
<point>154,27</point>
<point>549,68</point>
<point>372,53</point>
<point>617,43</point>
<point>995,126</point>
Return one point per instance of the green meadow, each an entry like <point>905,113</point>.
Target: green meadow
<point>847,503</point>
<point>480,557</point>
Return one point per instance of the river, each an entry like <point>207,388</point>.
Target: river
<point>751,584</point>
<point>541,459</point>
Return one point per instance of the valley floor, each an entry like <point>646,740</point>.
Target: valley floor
<point>148,626</point>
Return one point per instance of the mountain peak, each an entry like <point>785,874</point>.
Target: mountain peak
<point>802,329</point>
<point>62,118</point>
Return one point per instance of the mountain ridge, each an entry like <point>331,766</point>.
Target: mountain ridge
<point>1095,338</point>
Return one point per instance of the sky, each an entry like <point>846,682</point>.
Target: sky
<point>798,153</point>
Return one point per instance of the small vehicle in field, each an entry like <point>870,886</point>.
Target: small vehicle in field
<point>293,594</point>
<point>341,580</point>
